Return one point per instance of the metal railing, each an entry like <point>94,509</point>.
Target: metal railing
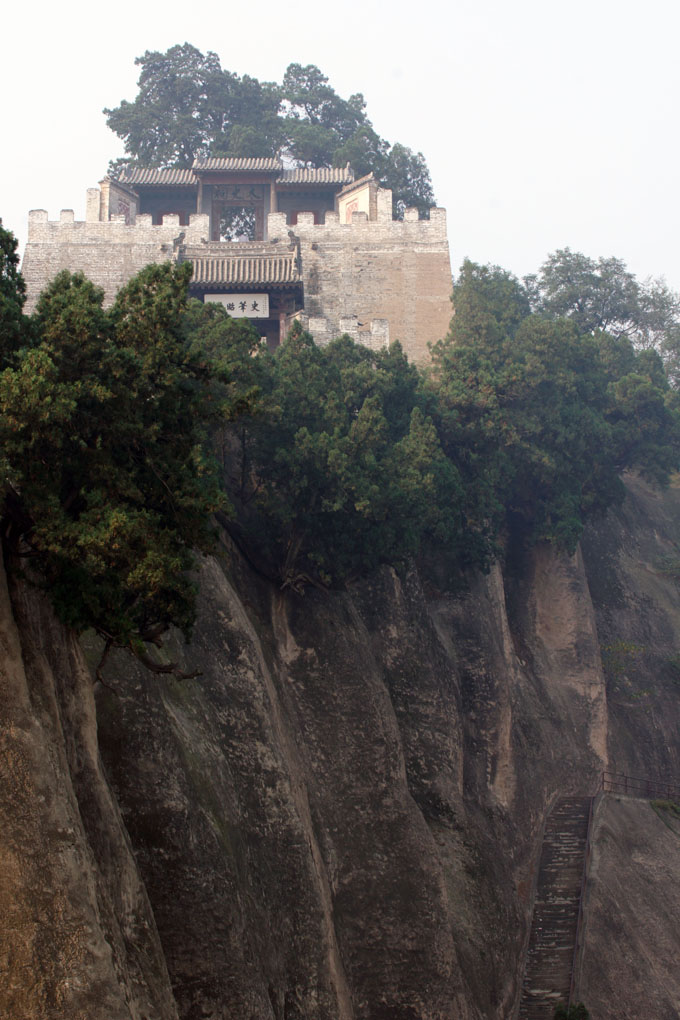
<point>634,786</point>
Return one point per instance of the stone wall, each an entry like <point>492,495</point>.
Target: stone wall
<point>116,200</point>
<point>378,280</point>
<point>109,253</point>
<point>361,275</point>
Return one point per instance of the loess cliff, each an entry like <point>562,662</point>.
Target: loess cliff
<point>340,818</point>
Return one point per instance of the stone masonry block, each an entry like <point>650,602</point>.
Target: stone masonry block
<point>199,228</point>
<point>384,205</point>
<point>380,332</point>
<point>277,225</point>
<point>92,203</point>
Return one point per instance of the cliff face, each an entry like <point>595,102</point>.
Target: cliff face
<point>77,933</point>
<point>630,963</point>
<point>340,817</point>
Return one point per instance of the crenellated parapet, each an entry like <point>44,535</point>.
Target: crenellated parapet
<point>410,230</point>
<point>115,229</point>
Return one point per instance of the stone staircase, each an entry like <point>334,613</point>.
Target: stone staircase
<point>550,953</point>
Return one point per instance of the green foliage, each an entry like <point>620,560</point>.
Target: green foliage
<point>103,424</point>
<point>668,812</point>
<point>575,1012</point>
<point>342,470</point>
<point>317,120</point>
<point>669,806</point>
<point>365,151</point>
<point>604,295</point>
<point>406,173</point>
<point>188,106</point>
<point>13,326</point>
<point>541,419</point>
<point>619,656</point>
<point>122,430</point>
<point>673,664</point>
<point>669,565</point>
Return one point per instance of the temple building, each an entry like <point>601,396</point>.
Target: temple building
<point>269,243</point>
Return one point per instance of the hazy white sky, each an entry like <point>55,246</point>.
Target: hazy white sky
<point>544,125</point>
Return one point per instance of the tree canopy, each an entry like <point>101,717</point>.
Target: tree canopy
<point>107,487</point>
<point>13,325</point>
<point>341,470</point>
<point>602,294</point>
<point>541,416</point>
<point>188,106</point>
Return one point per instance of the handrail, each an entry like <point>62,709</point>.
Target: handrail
<point>635,786</point>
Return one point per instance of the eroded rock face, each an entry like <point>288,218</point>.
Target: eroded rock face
<point>77,934</point>
<point>630,964</point>
<point>340,817</point>
<point>633,572</point>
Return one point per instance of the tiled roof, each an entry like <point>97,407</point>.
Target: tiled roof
<point>227,164</point>
<point>358,183</point>
<point>144,175</point>
<point>321,175</point>
<point>245,270</point>
<point>261,164</point>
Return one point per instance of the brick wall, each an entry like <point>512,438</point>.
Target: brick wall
<point>109,253</point>
<point>360,276</point>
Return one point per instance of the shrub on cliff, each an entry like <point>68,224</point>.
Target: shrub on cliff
<point>121,431</point>
<point>13,324</point>
<point>541,419</point>
<point>107,485</point>
<point>341,470</point>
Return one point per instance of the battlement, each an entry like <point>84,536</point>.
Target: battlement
<point>142,230</point>
<point>115,230</point>
<point>410,230</point>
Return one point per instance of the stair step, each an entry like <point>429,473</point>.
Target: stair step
<point>550,951</point>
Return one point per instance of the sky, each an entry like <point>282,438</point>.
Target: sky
<point>544,125</point>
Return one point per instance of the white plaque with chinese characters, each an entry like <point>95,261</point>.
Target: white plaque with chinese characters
<point>250,306</point>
